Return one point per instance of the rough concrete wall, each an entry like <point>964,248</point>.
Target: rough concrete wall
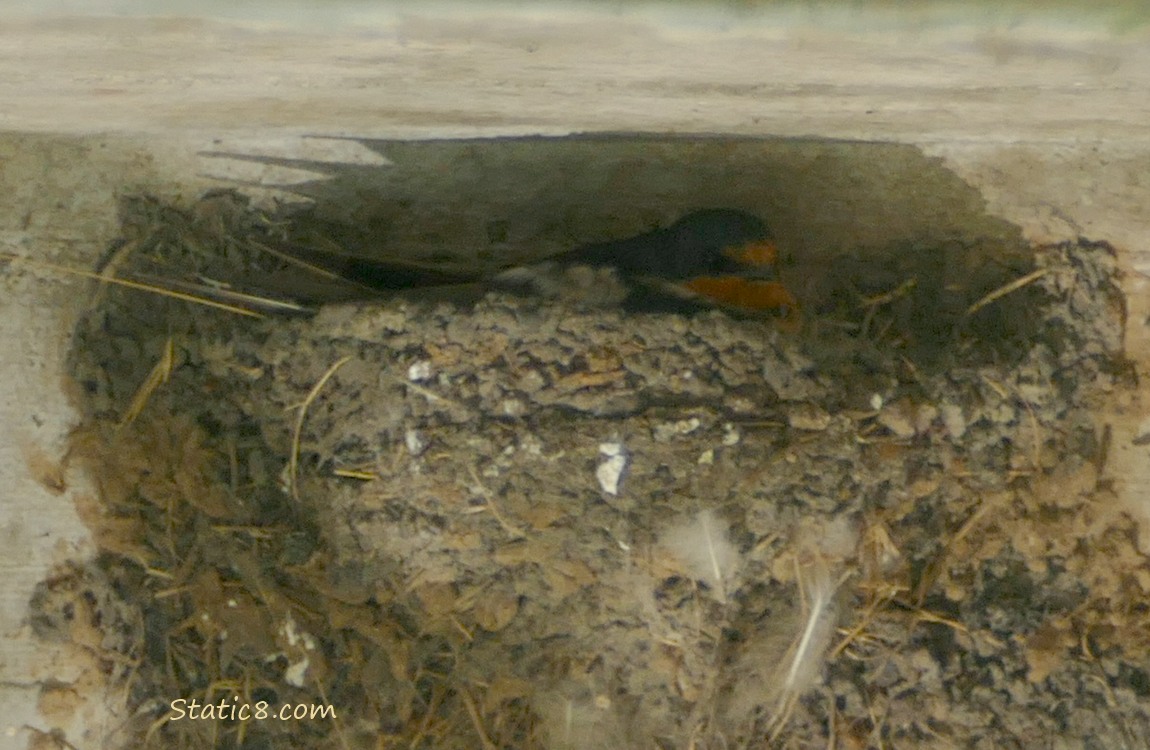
<point>1047,124</point>
<point>60,204</point>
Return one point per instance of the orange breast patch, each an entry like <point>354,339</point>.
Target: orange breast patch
<point>762,253</point>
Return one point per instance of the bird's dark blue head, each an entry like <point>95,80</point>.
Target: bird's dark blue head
<point>716,240</point>
<point>704,242</point>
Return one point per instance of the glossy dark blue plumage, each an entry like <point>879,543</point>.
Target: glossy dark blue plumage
<point>695,245</point>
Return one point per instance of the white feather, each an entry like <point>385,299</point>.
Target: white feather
<point>782,658</point>
<point>816,633</point>
<point>810,647</point>
<point>572,718</point>
<point>703,546</point>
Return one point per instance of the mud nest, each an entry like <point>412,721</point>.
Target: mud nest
<point>518,524</point>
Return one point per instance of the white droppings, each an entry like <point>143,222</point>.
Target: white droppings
<point>610,449</point>
<point>295,673</point>
<point>513,407</point>
<point>668,430</point>
<point>419,371</point>
<point>610,471</point>
<point>301,642</point>
<point>415,442</point>
<point>954,420</point>
<point>731,435</point>
<point>531,445</point>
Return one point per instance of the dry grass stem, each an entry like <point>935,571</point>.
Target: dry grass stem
<point>301,415</point>
<point>296,261</point>
<point>489,503</point>
<point>887,297</point>
<point>111,265</point>
<point>221,293</point>
<point>865,621</point>
<point>364,476</point>
<point>69,271</point>
<point>1006,289</point>
<point>476,720</point>
<point>157,377</point>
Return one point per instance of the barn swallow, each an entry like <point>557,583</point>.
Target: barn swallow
<point>708,258</point>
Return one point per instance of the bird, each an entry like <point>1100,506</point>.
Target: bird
<point>708,258</point>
